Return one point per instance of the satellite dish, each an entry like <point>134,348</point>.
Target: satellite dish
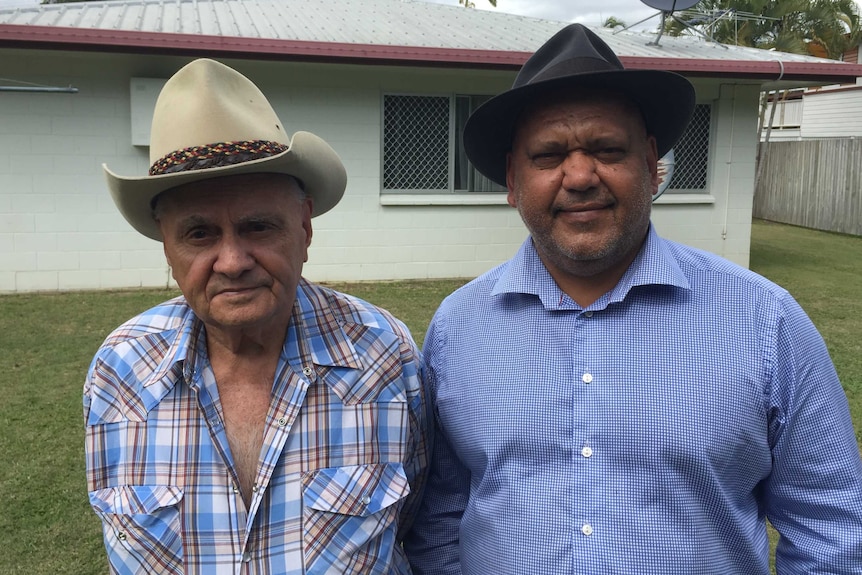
<point>670,5</point>
<point>665,173</point>
<point>666,9</point>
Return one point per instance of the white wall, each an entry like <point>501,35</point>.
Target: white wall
<point>59,229</point>
<point>724,226</point>
<point>832,113</point>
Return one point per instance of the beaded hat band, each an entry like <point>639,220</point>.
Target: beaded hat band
<point>215,155</point>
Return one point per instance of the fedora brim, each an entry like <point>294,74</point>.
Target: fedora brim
<point>309,159</point>
<point>665,99</point>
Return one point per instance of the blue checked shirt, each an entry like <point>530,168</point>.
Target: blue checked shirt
<point>343,459</point>
<point>650,433</point>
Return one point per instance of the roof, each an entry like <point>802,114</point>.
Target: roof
<point>406,32</point>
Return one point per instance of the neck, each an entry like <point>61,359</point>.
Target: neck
<point>250,343</point>
<point>586,281</point>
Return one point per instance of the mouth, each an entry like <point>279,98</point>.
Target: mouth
<point>583,212</point>
<point>236,291</point>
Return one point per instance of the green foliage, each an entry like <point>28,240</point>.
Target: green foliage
<point>470,4</point>
<point>613,23</point>
<point>48,340</point>
<point>816,27</point>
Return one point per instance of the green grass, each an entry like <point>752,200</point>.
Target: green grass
<point>822,271</point>
<point>47,341</point>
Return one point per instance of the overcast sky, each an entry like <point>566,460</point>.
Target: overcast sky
<point>584,11</point>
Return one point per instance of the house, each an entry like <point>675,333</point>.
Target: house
<point>832,111</point>
<point>388,83</point>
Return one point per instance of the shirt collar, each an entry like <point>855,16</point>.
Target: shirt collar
<point>313,327</point>
<point>526,274</point>
<point>320,331</point>
<point>183,340</point>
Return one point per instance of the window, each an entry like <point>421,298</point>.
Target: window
<point>691,153</point>
<point>423,150</point>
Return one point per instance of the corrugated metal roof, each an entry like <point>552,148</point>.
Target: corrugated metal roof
<point>368,22</point>
<point>393,32</point>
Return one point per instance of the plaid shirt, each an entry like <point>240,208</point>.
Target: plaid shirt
<point>343,459</point>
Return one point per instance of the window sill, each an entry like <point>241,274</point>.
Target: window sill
<point>499,199</point>
<point>465,199</point>
<point>678,199</point>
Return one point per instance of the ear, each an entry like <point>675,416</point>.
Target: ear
<point>307,209</point>
<point>652,163</point>
<point>510,182</point>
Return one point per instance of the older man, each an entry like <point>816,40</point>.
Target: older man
<point>259,424</point>
<point>611,402</point>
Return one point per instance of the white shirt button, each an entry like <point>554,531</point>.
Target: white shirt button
<point>254,488</point>
<point>306,370</point>
<point>366,500</point>
<point>587,378</point>
<point>246,557</point>
<point>587,529</point>
<point>282,421</point>
<point>587,452</point>
<point>588,313</point>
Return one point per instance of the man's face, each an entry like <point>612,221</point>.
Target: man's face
<point>236,246</point>
<point>582,173</point>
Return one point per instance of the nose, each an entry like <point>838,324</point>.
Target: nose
<point>232,258</point>
<point>579,172</point>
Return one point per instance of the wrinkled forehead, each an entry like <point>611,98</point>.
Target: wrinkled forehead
<point>266,189</point>
<point>614,102</point>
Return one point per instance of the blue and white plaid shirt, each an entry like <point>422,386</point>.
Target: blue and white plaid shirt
<point>343,459</point>
<point>650,433</point>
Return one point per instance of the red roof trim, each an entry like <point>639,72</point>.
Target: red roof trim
<point>760,69</point>
<point>66,38</point>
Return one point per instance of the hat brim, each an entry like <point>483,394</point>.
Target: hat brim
<point>666,101</point>
<point>309,159</point>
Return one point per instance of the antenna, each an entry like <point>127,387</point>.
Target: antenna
<point>666,9</point>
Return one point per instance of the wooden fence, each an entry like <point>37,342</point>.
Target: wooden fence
<point>812,183</point>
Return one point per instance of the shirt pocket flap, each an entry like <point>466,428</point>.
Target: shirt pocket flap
<point>358,490</point>
<point>135,499</point>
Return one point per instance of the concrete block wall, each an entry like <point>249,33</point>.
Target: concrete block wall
<point>59,229</point>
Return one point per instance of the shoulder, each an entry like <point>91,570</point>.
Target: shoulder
<point>162,319</point>
<point>351,313</point>
<point>708,272</point>
<point>474,294</point>
<point>122,376</point>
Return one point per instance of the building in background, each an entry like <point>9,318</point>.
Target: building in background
<point>388,83</point>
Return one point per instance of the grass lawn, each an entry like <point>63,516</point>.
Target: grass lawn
<point>47,341</point>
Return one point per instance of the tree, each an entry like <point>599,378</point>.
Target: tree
<point>613,23</point>
<point>817,27</point>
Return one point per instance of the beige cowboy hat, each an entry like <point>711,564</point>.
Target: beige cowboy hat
<point>210,121</point>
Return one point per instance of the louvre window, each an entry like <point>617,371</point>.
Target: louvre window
<point>691,153</point>
<point>423,150</point>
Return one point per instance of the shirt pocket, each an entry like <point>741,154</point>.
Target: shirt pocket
<point>142,527</point>
<point>350,517</point>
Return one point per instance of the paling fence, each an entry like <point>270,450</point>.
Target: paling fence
<point>811,183</point>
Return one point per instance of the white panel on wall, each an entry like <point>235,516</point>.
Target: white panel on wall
<point>143,92</point>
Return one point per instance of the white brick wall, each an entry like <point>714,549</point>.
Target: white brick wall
<point>59,230</point>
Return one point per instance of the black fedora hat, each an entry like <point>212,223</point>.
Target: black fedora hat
<point>575,57</point>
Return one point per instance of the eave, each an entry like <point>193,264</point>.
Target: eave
<point>135,42</point>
